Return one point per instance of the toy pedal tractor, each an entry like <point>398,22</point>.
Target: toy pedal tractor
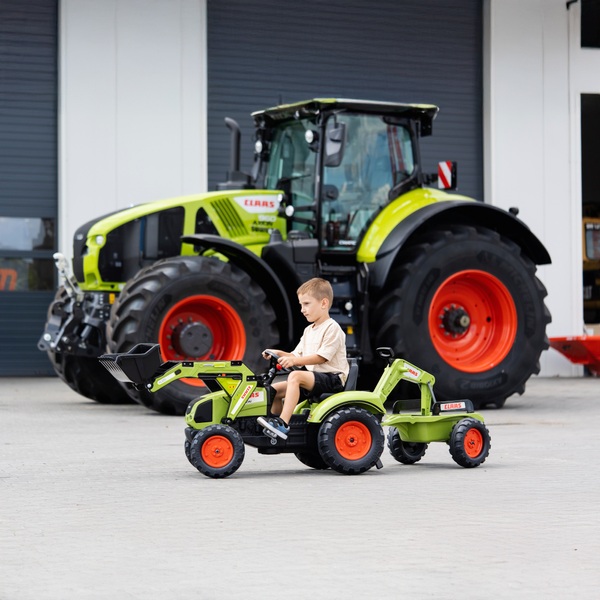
<point>341,431</point>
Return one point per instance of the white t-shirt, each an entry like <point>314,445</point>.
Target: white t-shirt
<point>329,341</point>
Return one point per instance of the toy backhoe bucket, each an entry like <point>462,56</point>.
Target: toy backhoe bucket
<point>136,366</point>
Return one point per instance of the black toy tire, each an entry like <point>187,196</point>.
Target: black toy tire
<point>187,448</point>
<point>351,440</point>
<point>312,459</point>
<point>470,443</point>
<point>225,444</point>
<point>146,301</point>
<point>407,453</point>
<point>423,271</point>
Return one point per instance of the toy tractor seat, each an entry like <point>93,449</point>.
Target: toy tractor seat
<point>351,380</point>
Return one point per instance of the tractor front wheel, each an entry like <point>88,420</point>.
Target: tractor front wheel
<point>351,440</point>
<point>217,451</point>
<point>407,453</point>
<point>197,309</point>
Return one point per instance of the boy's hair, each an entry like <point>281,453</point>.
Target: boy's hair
<point>317,288</point>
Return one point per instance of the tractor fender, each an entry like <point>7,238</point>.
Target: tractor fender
<point>207,410</point>
<point>367,400</point>
<point>461,213</point>
<point>258,269</point>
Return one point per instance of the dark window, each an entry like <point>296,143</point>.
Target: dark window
<point>590,23</point>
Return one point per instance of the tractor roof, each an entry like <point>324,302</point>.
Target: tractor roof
<point>422,112</point>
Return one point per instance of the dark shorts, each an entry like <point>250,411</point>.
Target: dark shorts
<point>325,383</point>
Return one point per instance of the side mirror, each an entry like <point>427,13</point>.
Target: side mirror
<point>334,145</point>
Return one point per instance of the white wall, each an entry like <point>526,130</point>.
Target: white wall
<point>531,136</point>
<point>132,105</point>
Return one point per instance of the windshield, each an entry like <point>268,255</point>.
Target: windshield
<point>377,156</point>
<point>291,168</point>
<point>365,158</point>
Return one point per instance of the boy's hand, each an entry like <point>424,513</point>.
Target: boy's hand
<point>268,356</point>
<point>287,362</point>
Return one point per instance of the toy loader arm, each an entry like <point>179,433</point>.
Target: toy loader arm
<point>142,366</point>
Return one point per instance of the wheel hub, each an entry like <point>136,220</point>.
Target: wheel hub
<point>455,320</point>
<point>193,339</point>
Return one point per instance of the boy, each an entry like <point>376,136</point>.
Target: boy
<point>321,349</point>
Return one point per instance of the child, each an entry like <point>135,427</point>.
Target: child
<point>322,350</point>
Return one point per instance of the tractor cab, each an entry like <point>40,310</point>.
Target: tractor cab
<point>338,162</point>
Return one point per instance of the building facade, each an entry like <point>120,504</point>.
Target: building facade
<point>131,96</point>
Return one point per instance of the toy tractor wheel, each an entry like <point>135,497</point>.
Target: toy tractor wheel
<point>196,308</point>
<point>465,302</point>
<point>351,441</point>
<point>407,453</point>
<point>187,448</point>
<point>470,443</point>
<point>217,451</point>
<point>312,459</point>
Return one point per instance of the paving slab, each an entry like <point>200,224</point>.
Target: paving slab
<point>99,501</point>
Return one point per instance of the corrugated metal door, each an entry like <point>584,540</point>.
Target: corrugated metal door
<point>28,176</point>
<point>264,52</point>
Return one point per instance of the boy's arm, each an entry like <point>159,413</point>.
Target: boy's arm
<point>291,360</point>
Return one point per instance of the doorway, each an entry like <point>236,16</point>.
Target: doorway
<point>590,198</point>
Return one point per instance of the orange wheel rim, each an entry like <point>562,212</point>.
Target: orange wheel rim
<point>353,440</point>
<point>473,443</point>
<point>217,451</point>
<point>202,328</point>
<point>473,321</point>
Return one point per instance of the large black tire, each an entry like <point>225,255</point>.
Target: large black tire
<point>88,377</point>
<point>407,453</point>
<point>464,303</point>
<point>197,308</point>
<point>351,440</point>
<point>470,443</point>
<point>217,451</point>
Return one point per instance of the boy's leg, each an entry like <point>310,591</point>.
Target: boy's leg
<point>295,381</point>
<point>277,405</point>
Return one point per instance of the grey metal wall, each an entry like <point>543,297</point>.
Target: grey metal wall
<point>28,163</point>
<point>429,51</point>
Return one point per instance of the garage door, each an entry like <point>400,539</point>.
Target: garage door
<point>28,172</point>
<point>427,51</point>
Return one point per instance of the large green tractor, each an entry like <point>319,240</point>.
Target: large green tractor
<point>337,190</point>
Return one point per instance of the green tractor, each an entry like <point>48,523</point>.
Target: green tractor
<point>337,190</point>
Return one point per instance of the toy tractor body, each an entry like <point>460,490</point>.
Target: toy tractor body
<point>338,191</point>
<point>341,431</point>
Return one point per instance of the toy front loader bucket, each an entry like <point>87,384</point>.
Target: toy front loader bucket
<point>136,366</point>
<point>581,350</point>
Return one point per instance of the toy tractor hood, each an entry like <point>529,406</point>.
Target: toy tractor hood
<point>424,113</point>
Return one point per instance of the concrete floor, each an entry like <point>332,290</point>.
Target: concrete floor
<point>100,502</point>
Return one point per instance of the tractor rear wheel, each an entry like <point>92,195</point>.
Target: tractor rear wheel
<point>470,443</point>
<point>196,308</point>
<point>351,440</point>
<point>465,304</point>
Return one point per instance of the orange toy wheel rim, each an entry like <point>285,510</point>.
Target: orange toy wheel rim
<point>473,443</point>
<point>217,451</point>
<point>473,321</point>
<point>353,440</point>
